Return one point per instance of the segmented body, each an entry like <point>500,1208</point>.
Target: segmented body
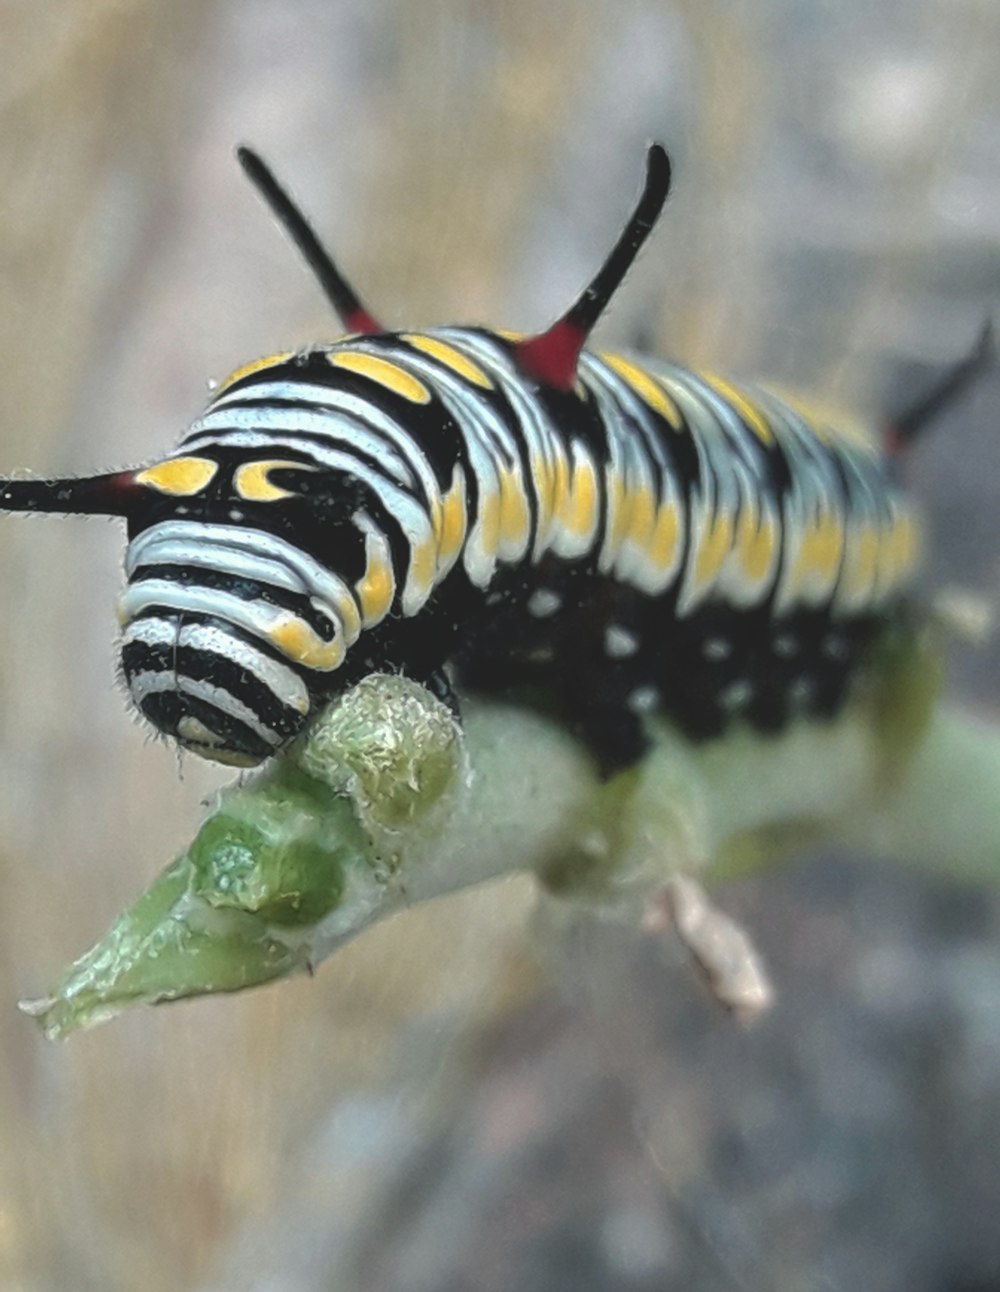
<point>608,537</point>
<point>650,539</point>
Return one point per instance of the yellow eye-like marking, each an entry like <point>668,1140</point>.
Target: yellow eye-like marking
<point>447,354</point>
<point>749,412</point>
<point>389,375</point>
<point>179,477</point>
<point>255,365</point>
<point>647,388</point>
<point>252,484</point>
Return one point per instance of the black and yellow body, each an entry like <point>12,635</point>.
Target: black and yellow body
<point>609,537</point>
<point>649,540</point>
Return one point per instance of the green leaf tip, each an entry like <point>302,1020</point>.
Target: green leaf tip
<point>292,860</point>
<point>165,947</point>
<point>385,802</point>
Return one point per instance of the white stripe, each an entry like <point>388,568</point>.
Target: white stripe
<point>146,684</point>
<point>257,548</point>
<point>256,617</point>
<point>336,416</point>
<point>489,444</point>
<point>611,389</point>
<point>411,515</point>
<point>541,440</point>
<point>283,682</point>
<point>274,428</point>
<point>225,426</point>
<point>364,423</point>
<point>226,560</point>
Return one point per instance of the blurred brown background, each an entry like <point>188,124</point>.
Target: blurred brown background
<point>436,1111</point>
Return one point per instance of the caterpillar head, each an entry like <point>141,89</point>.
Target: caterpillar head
<point>231,629</point>
<point>235,623</point>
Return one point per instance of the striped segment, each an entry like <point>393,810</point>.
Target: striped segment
<point>436,463</point>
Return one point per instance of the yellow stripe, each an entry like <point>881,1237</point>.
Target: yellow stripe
<point>386,374</point>
<point>820,550</point>
<point>713,548</point>
<point>560,483</point>
<point>515,516</point>
<point>454,520</point>
<point>617,511</point>
<point>301,644</point>
<point>899,554</point>
<point>642,518</point>
<point>748,411</point>
<point>646,387</point>
<point>544,477</point>
<point>423,565</point>
<point>907,545</point>
<point>489,519</point>
<point>663,544</point>
<point>376,589</point>
<point>861,567</point>
<point>579,516</point>
<point>255,365</point>
<point>451,358</point>
<point>756,544</point>
<point>179,477</point>
<point>826,421</point>
<point>252,484</point>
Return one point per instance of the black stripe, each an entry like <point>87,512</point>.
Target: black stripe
<point>203,665</point>
<point>165,709</point>
<point>196,576</point>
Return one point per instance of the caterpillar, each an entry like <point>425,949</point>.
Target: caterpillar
<point>604,535</point>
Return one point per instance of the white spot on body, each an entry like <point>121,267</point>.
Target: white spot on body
<point>716,648</point>
<point>189,728</point>
<point>541,655</point>
<point>801,690</point>
<point>736,695</point>
<point>643,699</point>
<point>619,643</point>
<point>236,514</point>
<point>834,646</point>
<point>543,603</point>
<point>785,645</point>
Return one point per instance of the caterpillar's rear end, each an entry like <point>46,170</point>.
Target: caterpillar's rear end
<point>611,536</point>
